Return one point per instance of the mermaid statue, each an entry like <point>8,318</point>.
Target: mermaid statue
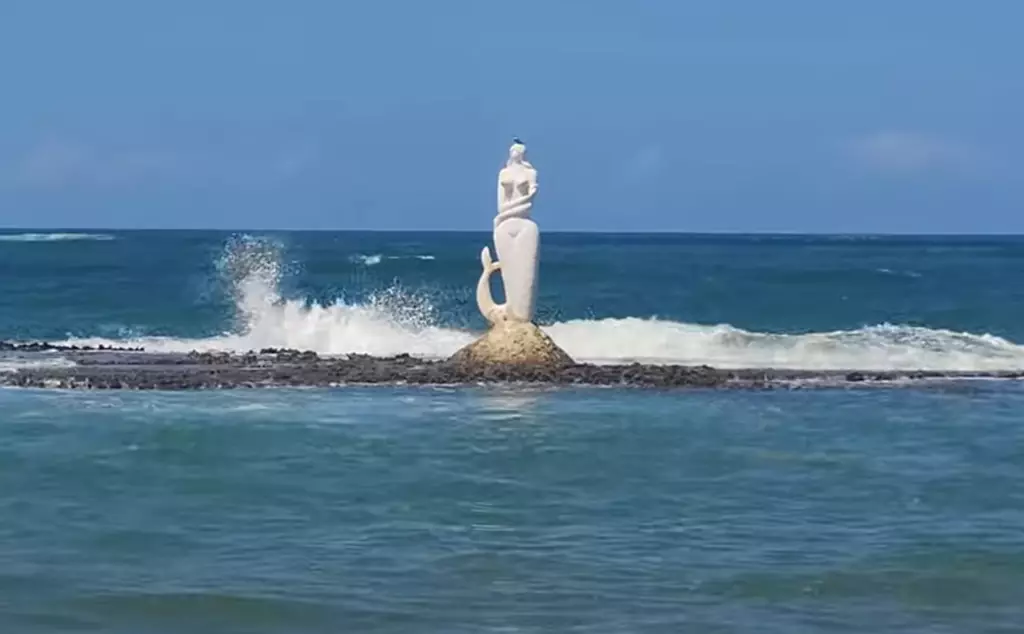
<point>512,338</point>
<point>517,242</point>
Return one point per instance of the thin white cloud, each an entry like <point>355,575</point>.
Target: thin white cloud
<point>646,163</point>
<point>57,163</point>
<point>293,163</point>
<point>909,153</point>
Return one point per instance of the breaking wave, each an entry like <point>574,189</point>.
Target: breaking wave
<point>396,321</point>
<point>882,347</point>
<point>53,237</point>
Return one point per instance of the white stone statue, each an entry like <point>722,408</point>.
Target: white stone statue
<point>517,241</point>
<point>512,339</point>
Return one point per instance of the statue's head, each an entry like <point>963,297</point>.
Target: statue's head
<point>516,153</point>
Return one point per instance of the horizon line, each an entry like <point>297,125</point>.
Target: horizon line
<point>69,229</point>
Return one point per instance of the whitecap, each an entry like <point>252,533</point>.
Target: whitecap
<point>366,260</point>
<point>54,237</point>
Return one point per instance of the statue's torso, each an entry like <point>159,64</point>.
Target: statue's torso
<point>515,181</point>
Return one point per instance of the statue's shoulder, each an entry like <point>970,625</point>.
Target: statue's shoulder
<point>517,172</point>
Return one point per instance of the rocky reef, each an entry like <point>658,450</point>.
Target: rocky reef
<point>114,368</point>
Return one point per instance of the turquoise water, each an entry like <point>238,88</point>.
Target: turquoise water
<point>510,509</point>
<point>451,510</point>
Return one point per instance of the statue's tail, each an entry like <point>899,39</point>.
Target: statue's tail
<point>518,244</point>
<point>492,311</point>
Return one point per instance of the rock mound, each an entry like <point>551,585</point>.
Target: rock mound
<point>512,343</point>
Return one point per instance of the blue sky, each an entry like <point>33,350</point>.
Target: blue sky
<point>647,115</point>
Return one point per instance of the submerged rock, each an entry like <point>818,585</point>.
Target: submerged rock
<point>512,343</point>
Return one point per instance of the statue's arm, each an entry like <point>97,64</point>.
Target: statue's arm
<point>514,207</point>
<point>531,191</point>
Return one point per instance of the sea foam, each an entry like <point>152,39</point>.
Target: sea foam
<point>12,364</point>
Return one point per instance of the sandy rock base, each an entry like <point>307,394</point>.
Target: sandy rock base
<point>513,343</point>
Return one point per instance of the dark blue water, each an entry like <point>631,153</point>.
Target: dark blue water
<point>512,509</point>
<point>814,302</point>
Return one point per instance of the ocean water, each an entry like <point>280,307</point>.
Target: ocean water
<point>514,509</point>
